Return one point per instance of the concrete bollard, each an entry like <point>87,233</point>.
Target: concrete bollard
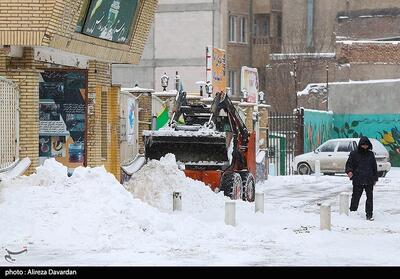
<point>230,213</point>
<point>317,168</point>
<point>344,203</point>
<point>325,217</point>
<point>259,202</point>
<point>177,201</point>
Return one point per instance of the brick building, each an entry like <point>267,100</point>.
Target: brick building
<point>327,41</point>
<point>312,26</point>
<point>59,54</point>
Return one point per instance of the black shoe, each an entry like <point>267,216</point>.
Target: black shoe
<point>370,218</point>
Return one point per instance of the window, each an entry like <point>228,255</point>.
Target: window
<point>232,28</point>
<point>256,28</point>
<point>345,146</point>
<point>279,31</point>
<point>232,79</point>
<point>328,147</point>
<point>243,31</point>
<point>107,19</point>
<point>265,28</point>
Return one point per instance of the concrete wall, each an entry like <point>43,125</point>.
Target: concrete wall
<point>181,31</point>
<point>325,12</point>
<point>365,97</point>
<point>128,76</point>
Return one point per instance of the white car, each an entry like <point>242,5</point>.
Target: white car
<point>333,155</point>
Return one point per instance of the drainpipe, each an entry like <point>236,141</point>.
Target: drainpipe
<point>310,23</point>
<point>250,28</point>
<point>213,24</point>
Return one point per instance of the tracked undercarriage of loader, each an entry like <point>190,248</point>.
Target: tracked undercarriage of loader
<point>213,144</point>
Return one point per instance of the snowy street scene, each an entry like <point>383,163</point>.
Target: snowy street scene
<point>198,133</point>
<point>90,219</point>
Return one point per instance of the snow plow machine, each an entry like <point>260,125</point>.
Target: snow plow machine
<point>212,145</point>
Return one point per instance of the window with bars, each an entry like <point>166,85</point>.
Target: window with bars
<point>243,30</point>
<point>256,28</point>
<point>232,28</point>
<point>266,24</point>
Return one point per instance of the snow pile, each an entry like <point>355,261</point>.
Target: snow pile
<point>155,182</point>
<point>89,210</point>
<point>67,220</point>
<point>50,173</point>
<point>91,219</point>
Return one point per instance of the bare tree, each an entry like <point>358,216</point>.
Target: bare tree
<point>297,66</point>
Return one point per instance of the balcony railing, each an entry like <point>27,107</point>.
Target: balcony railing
<point>275,42</point>
<point>262,40</point>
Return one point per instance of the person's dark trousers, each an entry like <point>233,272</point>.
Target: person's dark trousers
<point>355,198</point>
<point>369,205</point>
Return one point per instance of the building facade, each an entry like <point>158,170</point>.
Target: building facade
<point>59,55</point>
<point>247,29</point>
<point>313,26</point>
<point>327,41</point>
<point>177,42</point>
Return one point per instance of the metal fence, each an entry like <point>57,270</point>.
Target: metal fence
<point>9,124</point>
<point>284,141</point>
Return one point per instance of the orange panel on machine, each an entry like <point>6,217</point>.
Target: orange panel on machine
<point>209,177</point>
<point>251,154</point>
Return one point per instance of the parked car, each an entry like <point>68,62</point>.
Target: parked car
<point>333,155</point>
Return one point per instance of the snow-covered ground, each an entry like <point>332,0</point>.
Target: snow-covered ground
<point>90,219</point>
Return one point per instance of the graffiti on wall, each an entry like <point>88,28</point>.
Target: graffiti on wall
<point>391,140</point>
<point>318,127</point>
<point>379,126</point>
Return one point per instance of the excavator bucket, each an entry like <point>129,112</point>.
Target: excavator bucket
<point>189,147</point>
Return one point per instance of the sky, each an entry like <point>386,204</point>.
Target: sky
<point>90,219</point>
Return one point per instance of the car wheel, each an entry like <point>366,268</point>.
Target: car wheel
<point>303,169</point>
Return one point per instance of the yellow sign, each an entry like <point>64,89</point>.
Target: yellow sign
<point>216,74</point>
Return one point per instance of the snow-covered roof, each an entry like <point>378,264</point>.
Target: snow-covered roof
<point>137,89</point>
<point>350,42</point>
<point>317,87</point>
<point>171,93</point>
<point>284,56</point>
<point>365,81</point>
<point>312,88</point>
<point>314,110</point>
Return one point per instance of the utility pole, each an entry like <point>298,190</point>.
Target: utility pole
<point>295,79</point>
<point>327,86</point>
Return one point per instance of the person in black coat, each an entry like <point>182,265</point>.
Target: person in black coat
<point>361,168</point>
